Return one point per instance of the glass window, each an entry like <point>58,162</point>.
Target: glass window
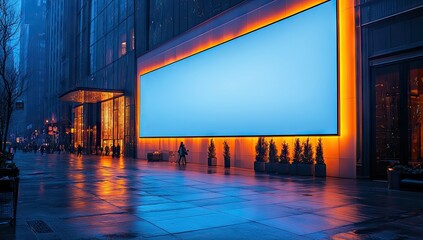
<point>78,125</point>
<point>93,65</point>
<point>107,120</point>
<point>122,72</point>
<point>109,12</point>
<point>122,39</point>
<point>122,10</point>
<point>94,9</point>
<point>415,116</point>
<point>100,5</point>
<point>130,31</point>
<point>109,48</point>
<point>110,76</point>
<point>100,54</point>
<point>116,47</point>
<point>115,12</point>
<point>387,118</point>
<point>100,25</point>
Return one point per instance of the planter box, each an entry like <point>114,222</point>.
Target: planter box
<point>320,170</point>
<point>305,169</point>
<point>293,169</point>
<point>283,168</point>
<point>270,167</point>
<point>9,172</point>
<point>259,166</point>
<point>227,163</point>
<point>212,161</point>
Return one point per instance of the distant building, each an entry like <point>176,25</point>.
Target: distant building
<point>33,63</point>
<point>60,55</point>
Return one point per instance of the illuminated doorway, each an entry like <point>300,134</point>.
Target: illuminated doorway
<point>113,123</point>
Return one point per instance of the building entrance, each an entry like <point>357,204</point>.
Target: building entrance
<point>397,124</point>
<point>113,123</point>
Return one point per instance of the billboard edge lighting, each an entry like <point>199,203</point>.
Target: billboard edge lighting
<point>286,84</point>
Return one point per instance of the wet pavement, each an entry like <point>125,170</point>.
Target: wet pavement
<point>92,197</point>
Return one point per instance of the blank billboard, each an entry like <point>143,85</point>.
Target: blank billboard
<point>279,80</point>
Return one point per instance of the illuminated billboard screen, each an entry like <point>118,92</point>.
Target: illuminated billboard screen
<point>279,80</point>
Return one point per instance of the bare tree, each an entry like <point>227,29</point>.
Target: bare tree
<point>12,82</point>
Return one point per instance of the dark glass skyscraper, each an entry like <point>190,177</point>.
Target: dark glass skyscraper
<point>33,63</point>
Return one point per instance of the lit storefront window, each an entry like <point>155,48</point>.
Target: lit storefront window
<point>113,122</point>
<point>79,125</point>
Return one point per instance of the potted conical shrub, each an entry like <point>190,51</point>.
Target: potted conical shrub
<point>320,167</point>
<point>271,166</point>
<point>298,150</point>
<point>226,154</point>
<point>283,166</point>
<point>211,153</point>
<point>306,168</point>
<point>261,154</point>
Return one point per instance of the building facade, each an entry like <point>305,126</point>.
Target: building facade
<point>379,71</point>
<point>390,84</point>
<point>33,65</point>
<point>60,54</point>
<point>379,114</point>
<point>102,86</point>
<point>236,21</point>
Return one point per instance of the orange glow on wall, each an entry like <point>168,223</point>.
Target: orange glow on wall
<point>340,151</point>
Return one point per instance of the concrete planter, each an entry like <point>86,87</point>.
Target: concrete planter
<point>293,169</point>
<point>259,166</point>
<point>305,169</point>
<point>320,170</point>
<point>212,161</point>
<point>9,172</point>
<point>283,168</point>
<point>394,178</point>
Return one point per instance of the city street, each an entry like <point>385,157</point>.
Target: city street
<point>93,197</point>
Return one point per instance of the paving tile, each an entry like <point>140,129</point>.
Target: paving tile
<point>185,224</point>
<point>138,210</point>
<point>305,223</point>
<point>172,214</point>
<point>243,231</point>
<point>195,196</point>
<point>258,213</point>
<point>216,201</point>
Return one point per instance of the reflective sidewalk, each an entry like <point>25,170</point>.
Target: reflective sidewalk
<point>92,197</point>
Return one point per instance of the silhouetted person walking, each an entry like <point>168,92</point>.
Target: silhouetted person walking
<point>182,151</point>
<point>118,150</point>
<point>79,150</point>
<point>107,150</point>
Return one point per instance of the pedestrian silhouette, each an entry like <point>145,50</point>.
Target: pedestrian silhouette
<point>79,150</point>
<point>107,150</point>
<point>118,150</point>
<point>182,151</point>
